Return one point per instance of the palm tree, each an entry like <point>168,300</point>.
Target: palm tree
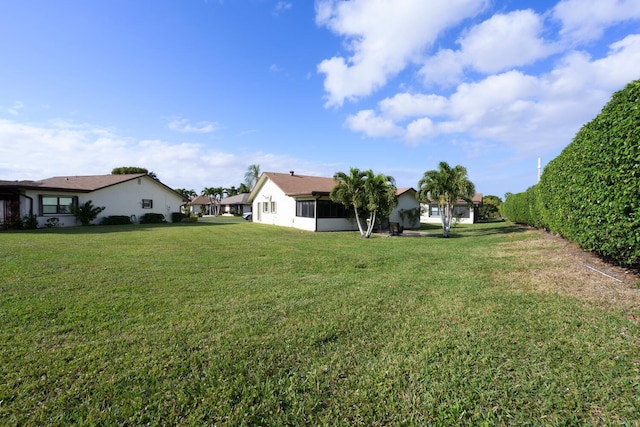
<point>380,193</point>
<point>244,188</point>
<point>210,192</point>
<point>349,191</point>
<point>252,175</point>
<point>368,194</point>
<point>445,186</point>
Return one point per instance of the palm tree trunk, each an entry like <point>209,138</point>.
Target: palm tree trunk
<point>372,223</point>
<point>446,220</point>
<point>358,222</point>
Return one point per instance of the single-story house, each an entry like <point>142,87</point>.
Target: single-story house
<point>303,202</point>
<point>132,195</point>
<point>466,214</point>
<point>236,205</point>
<point>204,205</point>
<point>232,205</point>
<point>407,212</point>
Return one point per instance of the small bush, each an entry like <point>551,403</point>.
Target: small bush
<point>191,219</point>
<point>116,220</point>
<point>152,218</point>
<point>52,222</point>
<point>30,222</point>
<point>176,216</point>
<point>86,212</point>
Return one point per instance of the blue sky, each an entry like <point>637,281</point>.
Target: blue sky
<point>196,91</point>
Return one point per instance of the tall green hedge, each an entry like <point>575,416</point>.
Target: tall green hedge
<point>590,193</point>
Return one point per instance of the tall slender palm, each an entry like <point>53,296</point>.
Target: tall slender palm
<point>368,194</point>
<point>209,192</point>
<point>445,186</point>
<point>349,191</point>
<point>214,194</point>
<point>380,193</point>
<point>252,175</point>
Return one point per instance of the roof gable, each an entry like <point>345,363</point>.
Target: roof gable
<point>238,199</point>
<point>87,182</point>
<point>295,185</point>
<point>81,184</point>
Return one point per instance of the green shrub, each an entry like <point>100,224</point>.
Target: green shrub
<point>525,207</point>
<point>591,191</point>
<point>30,222</point>
<point>116,220</point>
<point>86,212</point>
<point>176,216</point>
<point>152,218</point>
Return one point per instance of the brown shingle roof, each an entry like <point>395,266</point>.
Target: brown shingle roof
<point>82,184</point>
<point>300,185</point>
<point>86,182</point>
<point>403,190</point>
<point>238,199</point>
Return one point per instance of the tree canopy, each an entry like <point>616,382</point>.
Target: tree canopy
<point>126,170</point>
<point>445,186</point>
<point>251,176</point>
<point>370,195</point>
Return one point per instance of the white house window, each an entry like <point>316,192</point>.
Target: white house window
<point>265,207</point>
<point>434,210</point>
<point>147,204</point>
<point>273,207</point>
<point>57,205</point>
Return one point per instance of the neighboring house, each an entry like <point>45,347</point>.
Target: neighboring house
<point>407,212</point>
<point>303,202</point>
<point>132,195</point>
<point>203,205</point>
<point>236,205</point>
<point>466,214</point>
<point>233,205</point>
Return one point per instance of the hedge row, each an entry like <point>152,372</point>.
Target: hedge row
<point>590,193</point>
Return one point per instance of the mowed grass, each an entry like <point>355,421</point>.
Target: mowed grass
<point>243,324</point>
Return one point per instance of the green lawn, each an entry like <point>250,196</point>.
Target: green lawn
<point>235,323</point>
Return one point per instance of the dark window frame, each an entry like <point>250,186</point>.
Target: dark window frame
<point>306,208</point>
<point>330,209</point>
<point>60,208</point>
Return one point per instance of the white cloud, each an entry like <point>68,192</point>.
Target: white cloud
<point>500,43</point>
<point>505,41</point>
<point>281,6</point>
<point>183,125</point>
<point>523,112</point>
<point>585,20</point>
<point>406,105</point>
<point>445,68</point>
<point>367,122</point>
<point>382,38</point>
<point>14,110</point>
<point>66,148</point>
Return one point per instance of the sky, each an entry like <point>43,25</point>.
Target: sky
<point>196,91</point>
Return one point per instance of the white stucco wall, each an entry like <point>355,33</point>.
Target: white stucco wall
<point>406,201</point>
<point>121,199</point>
<point>285,214</point>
